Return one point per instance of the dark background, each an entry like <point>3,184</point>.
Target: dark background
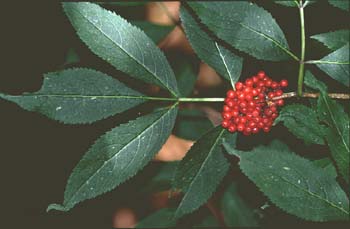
<point>38,154</point>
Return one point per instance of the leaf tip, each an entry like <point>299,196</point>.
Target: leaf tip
<point>57,207</point>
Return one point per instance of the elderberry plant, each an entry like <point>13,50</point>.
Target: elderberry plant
<point>219,33</point>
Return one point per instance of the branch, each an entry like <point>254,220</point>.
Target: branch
<point>312,95</point>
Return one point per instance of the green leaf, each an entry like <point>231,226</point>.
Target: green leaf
<point>246,27</point>
<point>295,184</point>
<point>341,4</point>
<point>337,135</point>
<point>201,171</point>
<point>162,218</point>
<point>208,222</point>
<point>154,31</point>
<point>192,124</point>
<point>336,65</point>
<point>186,76</point>
<point>162,180</point>
<point>208,50</point>
<point>117,156</point>
<point>236,212</point>
<point>78,95</point>
<point>327,166</point>
<point>303,123</point>
<point>312,82</point>
<point>119,43</point>
<point>333,40</point>
<point>292,3</point>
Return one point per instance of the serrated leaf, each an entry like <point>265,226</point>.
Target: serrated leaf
<point>311,81</point>
<point>246,27</point>
<point>192,124</point>
<point>78,95</point>
<point>117,156</point>
<point>337,135</point>
<point>327,166</point>
<point>201,171</point>
<point>333,40</point>
<point>295,184</point>
<point>119,43</point>
<point>341,4</point>
<point>226,63</point>
<point>336,65</point>
<point>303,123</point>
<point>235,210</point>
<point>154,31</point>
<point>162,218</point>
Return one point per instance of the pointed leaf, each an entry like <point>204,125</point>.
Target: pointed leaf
<point>208,50</point>
<point>336,65</point>
<point>119,43</point>
<point>341,4</point>
<point>295,184</point>
<point>246,27</point>
<point>333,40</point>
<point>312,82</point>
<point>117,156</point>
<point>160,219</point>
<point>77,96</point>
<point>236,212</point>
<point>337,136</point>
<point>201,171</point>
<point>303,123</point>
<point>154,31</point>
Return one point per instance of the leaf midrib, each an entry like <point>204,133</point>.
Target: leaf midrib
<point>131,141</point>
<point>224,61</point>
<point>335,124</point>
<point>277,43</point>
<point>200,169</point>
<point>304,190</point>
<point>136,60</point>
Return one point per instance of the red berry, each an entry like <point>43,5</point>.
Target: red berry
<point>226,108</point>
<point>284,83</point>
<point>232,128</point>
<point>226,115</point>
<point>270,95</point>
<point>266,129</point>
<point>261,74</point>
<point>239,85</point>
<point>225,123</point>
<point>234,113</point>
<point>280,102</point>
<point>240,127</point>
<point>231,94</point>
<point>249,82</point>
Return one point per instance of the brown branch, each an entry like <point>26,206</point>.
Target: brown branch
<point>312,95</point>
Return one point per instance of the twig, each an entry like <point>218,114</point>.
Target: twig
<point>312,95</point>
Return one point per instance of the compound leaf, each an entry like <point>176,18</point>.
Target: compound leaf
<point>226,63</point>
<point>303,123</point>
<point>78,95</point>
<point>117,156</point>
<point>121,44</point>
<point>246,27</point>
<point>333,40</point>
<point>200,172</point>
<point>336,65</point>
<point>295,184</point>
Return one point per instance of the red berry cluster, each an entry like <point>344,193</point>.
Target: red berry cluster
<point>251,108</point>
